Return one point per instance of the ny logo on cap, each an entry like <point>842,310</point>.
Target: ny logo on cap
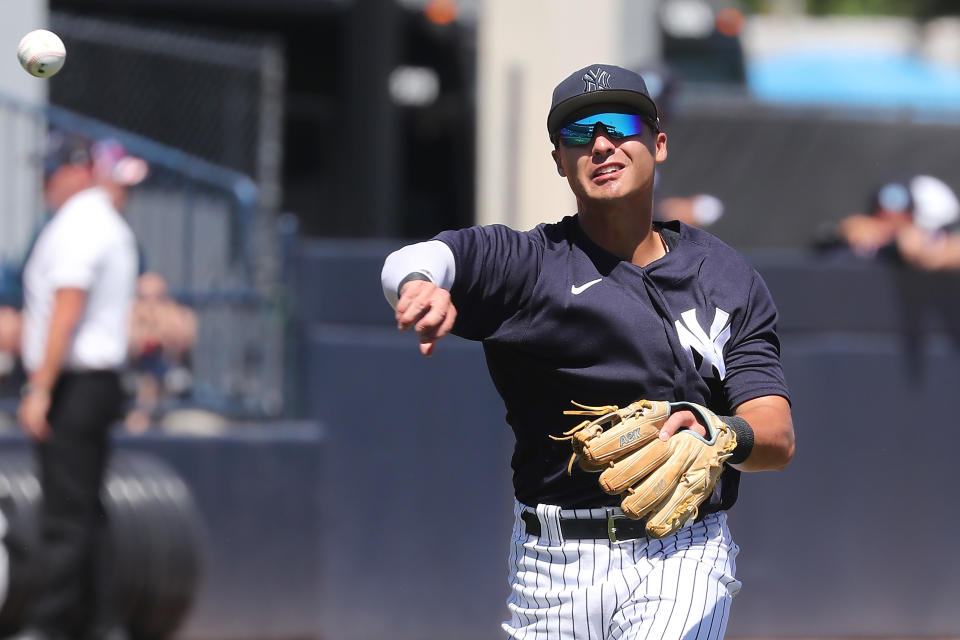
<point>594,80</point>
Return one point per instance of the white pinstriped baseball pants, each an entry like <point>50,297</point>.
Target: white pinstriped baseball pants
<point>643,589</point>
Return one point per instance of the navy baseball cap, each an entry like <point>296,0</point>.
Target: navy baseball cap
<point>65,148</point>
<point>599,84</point>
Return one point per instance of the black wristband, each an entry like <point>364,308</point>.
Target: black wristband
<point>744,438</point>
<point>415,275</point>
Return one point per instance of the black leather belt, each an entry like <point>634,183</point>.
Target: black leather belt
<point>615,528</point>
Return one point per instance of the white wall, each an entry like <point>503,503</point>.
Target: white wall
<point>19,177</point>
<point>19,18</point>
<point>524,49</point>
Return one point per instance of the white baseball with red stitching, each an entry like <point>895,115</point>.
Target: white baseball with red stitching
<point>41,53</point>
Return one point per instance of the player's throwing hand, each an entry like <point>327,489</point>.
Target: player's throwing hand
<point>428,309</point>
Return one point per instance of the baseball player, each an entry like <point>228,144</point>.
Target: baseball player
<point>606,307</point>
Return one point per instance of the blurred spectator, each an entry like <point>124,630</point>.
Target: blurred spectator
<point>700,210</point>
<point>912,221</point>
<point>115,171</point>
<point>929,251</point>
<point>162,337</point>
<point>78,284</point>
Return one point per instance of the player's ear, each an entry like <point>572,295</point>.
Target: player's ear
<point>661,143</point>
<point>556,158</point>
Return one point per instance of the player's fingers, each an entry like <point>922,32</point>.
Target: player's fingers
<point>427,346</point>
<point>437,306</point>
<point>431,320</point>
<point>681,420</point>
<point>448,322</point>
<point>434,331</point>
<point>428,309</point>
<point>412,291</point>
<point>414,303</point>
<point>438,321</point>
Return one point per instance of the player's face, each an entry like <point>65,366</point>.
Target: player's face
<point>602,164</point>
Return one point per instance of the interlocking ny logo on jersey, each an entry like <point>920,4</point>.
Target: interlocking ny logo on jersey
<point>594,80</point>
<point>706,349</point>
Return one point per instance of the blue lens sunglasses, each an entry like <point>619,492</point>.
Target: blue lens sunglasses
<point>617,126</point>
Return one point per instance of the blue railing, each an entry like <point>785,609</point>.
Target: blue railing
<point>193,181</point>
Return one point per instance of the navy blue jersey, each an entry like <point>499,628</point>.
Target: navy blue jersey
<point>562,319</point>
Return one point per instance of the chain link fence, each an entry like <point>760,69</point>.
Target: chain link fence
<point>215,95</point>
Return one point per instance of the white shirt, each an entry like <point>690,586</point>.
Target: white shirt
<point>86,245</point>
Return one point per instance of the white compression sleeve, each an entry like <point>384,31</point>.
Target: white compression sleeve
<point>433,259</point>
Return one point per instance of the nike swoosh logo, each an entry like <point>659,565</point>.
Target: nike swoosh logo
<point>575,290</point>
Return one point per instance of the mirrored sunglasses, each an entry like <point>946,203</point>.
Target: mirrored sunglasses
<point>617,126</point>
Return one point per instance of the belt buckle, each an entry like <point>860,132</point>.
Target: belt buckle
<point>611,525</point>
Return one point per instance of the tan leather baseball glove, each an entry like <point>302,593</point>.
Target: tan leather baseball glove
<point>665,482</point>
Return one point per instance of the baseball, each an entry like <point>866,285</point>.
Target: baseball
<point>41,53</point>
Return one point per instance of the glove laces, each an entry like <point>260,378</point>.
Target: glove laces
<point>605,411</point>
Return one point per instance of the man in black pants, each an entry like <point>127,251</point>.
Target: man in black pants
<point>78,288</point>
